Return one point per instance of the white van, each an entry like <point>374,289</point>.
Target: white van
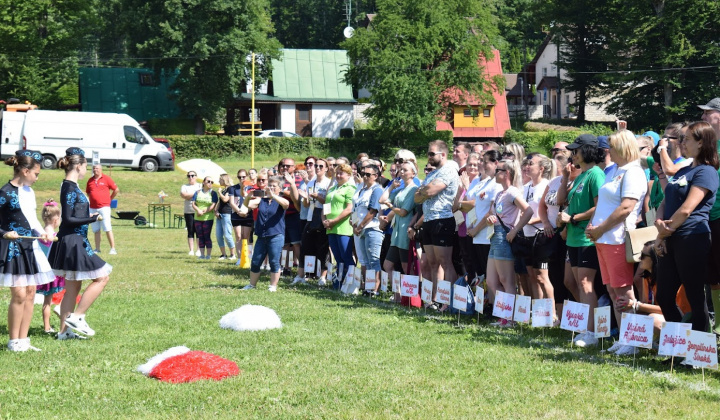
<point>11,131</point>
<point>118,138</point>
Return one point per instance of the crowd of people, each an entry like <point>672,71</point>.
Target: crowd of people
<point>472,212</point>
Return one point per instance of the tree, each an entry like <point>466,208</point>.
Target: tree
<point>413,52</point>
<point>39,48</point>
<point>520,32</point>
<point>207,43</point>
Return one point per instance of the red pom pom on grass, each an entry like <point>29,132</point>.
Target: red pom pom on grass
<point>194,366</point>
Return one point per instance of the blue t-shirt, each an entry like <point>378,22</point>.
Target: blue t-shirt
<point>270,218</point>
<point>704,176</point>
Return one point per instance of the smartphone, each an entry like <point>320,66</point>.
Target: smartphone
<point>259,193</point>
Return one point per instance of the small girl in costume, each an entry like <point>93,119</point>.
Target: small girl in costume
<point>51,219</point>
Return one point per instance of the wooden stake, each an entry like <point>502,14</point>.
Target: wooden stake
<point>672,362</point>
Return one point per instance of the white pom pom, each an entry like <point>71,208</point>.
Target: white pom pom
<point>155,360</point>
<point>251,318</point>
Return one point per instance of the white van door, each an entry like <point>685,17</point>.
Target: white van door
<point>11,141</point>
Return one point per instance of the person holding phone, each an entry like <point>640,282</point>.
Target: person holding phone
<point>204,202</point>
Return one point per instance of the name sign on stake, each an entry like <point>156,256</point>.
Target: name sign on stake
<point>504,306</point>
<point>575,316</point>
<point>396,281</point>
<point>460,297</point>
<point>443,292</point>
<point>602,322</point>
<point>479,299</point>
<point>701,349</point>
<point>409,285</point>
<point>319,269</point>
<point>383,281</point>
<point>370,280</point>
<point>426,294</point>
<point>349,277</point>
<point>522,309</point>
<point>673,339</point>
<point>358,274</point>
<point>636,330</point>
<point>309,264</point>
<point>283,255</point>
<point>542,310</point>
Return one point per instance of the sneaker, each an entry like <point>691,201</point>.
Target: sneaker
<point>16,345</point>
<point>191,253</point>
<point>201,257</point>
<point>197,253</point>
<point>77,323</point>
<point>297,280</point>
<point>272,288</point>
<point>222,257</point>
<point>615,347</point>
<point>232,257</point>
<point>70,335</point>
<point>587,340</point>
<point>28,346</point>
<point>97,251</point>
<point>50,331</point>
<point>248,287</point>
<point>238,262</point>
<point>112,251</point>
<point>56,309</point>
<point>322,282</point>
<point>626,351</point>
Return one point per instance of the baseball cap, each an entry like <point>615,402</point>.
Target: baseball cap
<point>603,142</point>
<point>653,135</point>
<point>713,105</point>
<point>582,140</point>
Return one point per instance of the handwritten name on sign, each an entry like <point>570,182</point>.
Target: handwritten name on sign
<point>426,294</point>
<point>542,313</point>
<point>602,322</point>
<point>673,339</point>
<point>575,316</point>
<point>443,292</point>
<point>396,281</point>
<point>370,280</point>
<point>479,299</point>
<point>460,297</point>
<point>504,305</point>
<point>309,264</point>
<point>522,309</point>
<point>409,285</point>
<point>636,330</point>
<point>701,349</point>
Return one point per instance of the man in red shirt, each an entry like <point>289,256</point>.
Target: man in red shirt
<point>101,190</point>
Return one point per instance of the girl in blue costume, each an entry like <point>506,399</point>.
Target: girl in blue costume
<point>72,256</point>
<point>23,266</point>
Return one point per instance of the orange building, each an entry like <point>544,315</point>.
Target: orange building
<point>473,120</point>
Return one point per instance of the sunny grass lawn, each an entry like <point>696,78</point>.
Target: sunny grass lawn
<point>335,357</point>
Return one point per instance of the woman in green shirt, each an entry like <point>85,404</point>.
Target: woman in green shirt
<point>337,221</point>
<point>581,201</point>
<point>204,202</point>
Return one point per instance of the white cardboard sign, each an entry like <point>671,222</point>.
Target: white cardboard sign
<point>409,285</point>
<point>370,280</point>
<point>504,306</point>
<point>443,292</point>
<point>319,269</point>
<point>460,297</point>
<point>522,309</point>
<point>383,281</point>
<point>309,264</point>
<point>283,256</point>
<point>575,316</point>
<point>636,330</point>
<point>673,339</point>
<point>542,310</point>
<point>291,260</point>
<point>702,349</point>
<point>396,281</point>
<point>479,299</point>
<point>602,322</point>
<point>426,294</point>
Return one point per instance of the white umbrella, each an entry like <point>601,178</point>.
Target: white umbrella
<point>203,168</point>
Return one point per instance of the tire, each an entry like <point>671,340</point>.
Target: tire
<point>149,165</point>
<point>140,221</point>
<point>48,162</point>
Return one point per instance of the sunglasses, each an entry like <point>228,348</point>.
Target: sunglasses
<point>364,174</point>
<point>432,154</point>
<point>508,155</point>
<point>399,160</point>
<point>241,177</point>
<point>209,181</point>
<point>192,176</point>
<point>262,180</point>
<point>309,163</point>
<point>320,166</point>
<point>501,170</point>
<point>286,166</point>
<point>557,149</point>
<point>429,170</point>
<point>670,137</point>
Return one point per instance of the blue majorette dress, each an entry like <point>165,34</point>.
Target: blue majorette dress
<point>72,256</point>
<point>23,263</point>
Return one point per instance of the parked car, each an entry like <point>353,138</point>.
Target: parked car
<point>276,133</point>
<point>165,141</point>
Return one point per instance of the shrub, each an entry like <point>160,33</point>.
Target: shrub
<point>540,141</point>
<point>346,133</point>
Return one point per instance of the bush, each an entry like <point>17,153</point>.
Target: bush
<point>346,133</point>
<point>170,126</point>
<point>540,141</point>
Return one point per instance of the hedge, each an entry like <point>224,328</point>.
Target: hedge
<point>367,141</point>
<point>541,140</point>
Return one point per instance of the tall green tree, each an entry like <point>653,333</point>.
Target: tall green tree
<point>520,30</point>
<point>413,52</point>
<point>207,43</point>
<point>40,44</point>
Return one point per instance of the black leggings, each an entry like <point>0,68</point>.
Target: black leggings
<point>190,224</point>
<point>479,258</point>
<point>685,263</point>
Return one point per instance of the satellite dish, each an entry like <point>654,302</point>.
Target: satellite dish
<point>348,32</point>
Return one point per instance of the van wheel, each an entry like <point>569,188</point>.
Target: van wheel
<point>148,165</point>
<point>48,162</point>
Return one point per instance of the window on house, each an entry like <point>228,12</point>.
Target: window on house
<point>147,79</point>
<point>470,113</point>
<point>303,112</point>
<point>486,112</point>
<point>544,71</point>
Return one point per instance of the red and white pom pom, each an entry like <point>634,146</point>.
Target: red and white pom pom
<point>180,364</point>
<point>251,318</point>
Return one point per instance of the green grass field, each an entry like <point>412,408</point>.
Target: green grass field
<point>335,357</point>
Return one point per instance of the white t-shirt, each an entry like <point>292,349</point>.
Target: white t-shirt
<point>551,200</point>
<point>532,195</point>
<point>609,198</point>
<point>321,188</point>
<point>483,192</point>
<point>189,189</point>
